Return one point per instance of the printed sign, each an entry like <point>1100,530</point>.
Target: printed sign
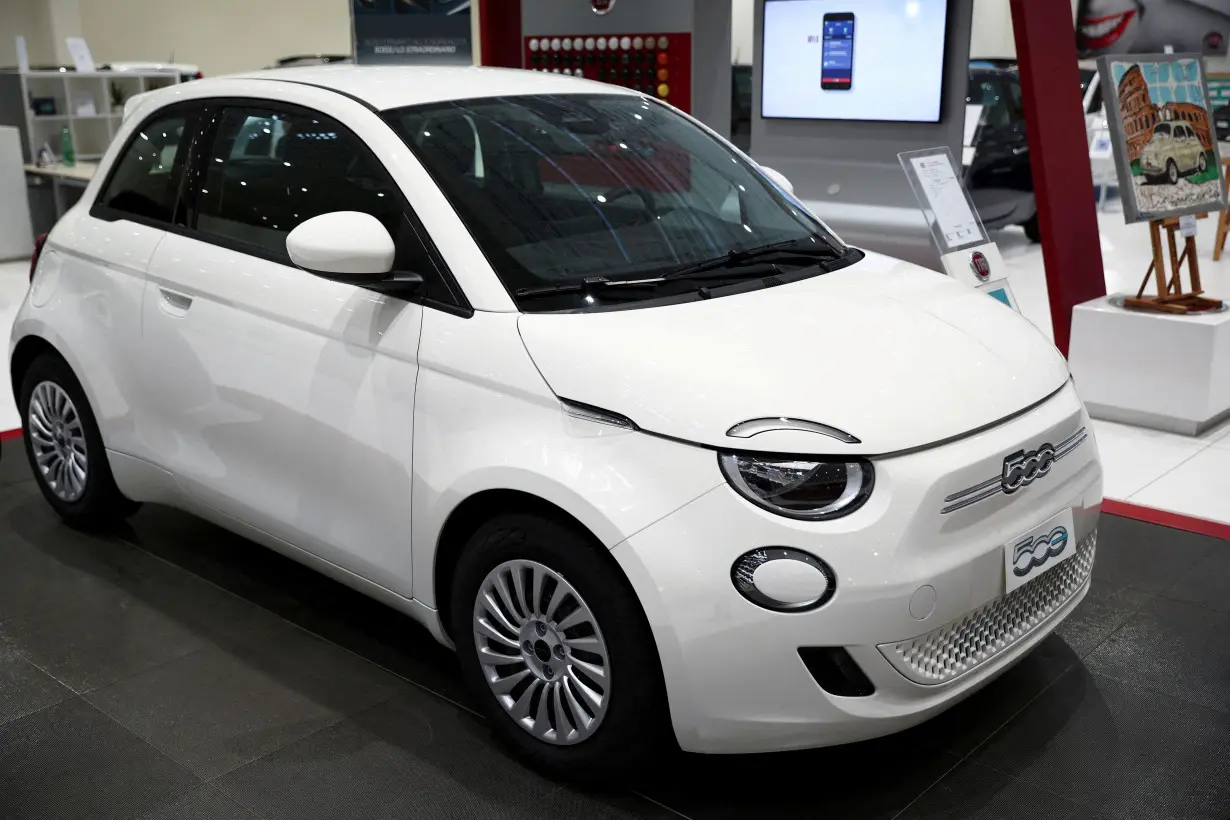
<point>947,200</point>
<point>412,32</point>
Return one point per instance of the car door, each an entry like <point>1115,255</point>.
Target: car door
<point>97,258</point>
<point>286,400</point>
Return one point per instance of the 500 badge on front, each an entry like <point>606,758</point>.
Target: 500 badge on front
<point>1041,549</point>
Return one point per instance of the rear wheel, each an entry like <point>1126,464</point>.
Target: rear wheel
<point>65,448</point>
<point>1202,164</point>
<point>556,649</point>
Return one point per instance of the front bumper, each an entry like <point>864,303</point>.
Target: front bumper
<point>734,676</point>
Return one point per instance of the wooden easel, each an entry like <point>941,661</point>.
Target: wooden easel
<point>1170,296</point>
<point>1223,221</point>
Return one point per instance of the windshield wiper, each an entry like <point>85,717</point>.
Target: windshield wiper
<point>747,256</point>
<point>586,285</point>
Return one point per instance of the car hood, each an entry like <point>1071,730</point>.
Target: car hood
<point>893,354</point>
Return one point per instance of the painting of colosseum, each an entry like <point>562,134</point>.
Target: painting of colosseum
<point>1165,149</point>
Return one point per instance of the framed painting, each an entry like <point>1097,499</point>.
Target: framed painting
<point>1165,146</point>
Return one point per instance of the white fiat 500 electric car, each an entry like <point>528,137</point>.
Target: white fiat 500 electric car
<point>554,369</point>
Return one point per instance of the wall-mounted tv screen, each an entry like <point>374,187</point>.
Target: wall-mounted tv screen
<point>853,59</point>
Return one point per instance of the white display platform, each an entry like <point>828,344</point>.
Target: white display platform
<point>1153,370</point>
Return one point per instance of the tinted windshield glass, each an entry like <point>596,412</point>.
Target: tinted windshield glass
<point>558,189</point>
<point>1162,130</point>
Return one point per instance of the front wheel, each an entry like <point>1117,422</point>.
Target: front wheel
<point>65,448</point>
<point>555,647</point>
<point>1172,172</point>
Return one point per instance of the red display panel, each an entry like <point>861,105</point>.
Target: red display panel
<point>669,170</point>
<point>658,64</point>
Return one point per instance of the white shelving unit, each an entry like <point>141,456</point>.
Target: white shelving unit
<point>72,93</point>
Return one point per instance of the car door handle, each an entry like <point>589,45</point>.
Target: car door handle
<point>175,304</point>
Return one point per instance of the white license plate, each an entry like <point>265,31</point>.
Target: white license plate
<point>1223,124</point>
<point>1041,549</point>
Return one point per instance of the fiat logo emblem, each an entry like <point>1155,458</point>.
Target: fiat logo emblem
<point>602,6</point>
<point>980,266</point>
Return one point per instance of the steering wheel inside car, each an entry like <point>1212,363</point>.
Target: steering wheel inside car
<point>627,190</point>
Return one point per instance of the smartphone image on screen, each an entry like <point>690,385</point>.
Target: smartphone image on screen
<point>837,58</point>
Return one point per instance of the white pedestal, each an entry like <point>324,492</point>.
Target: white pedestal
<point>1153,370</point>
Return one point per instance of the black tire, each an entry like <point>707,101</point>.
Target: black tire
<point>1172,172</point>
<point>100,503</point>
<point>1032,230</point>
<point>636,719</point>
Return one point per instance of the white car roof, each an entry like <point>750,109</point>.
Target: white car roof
<point>385,87</point>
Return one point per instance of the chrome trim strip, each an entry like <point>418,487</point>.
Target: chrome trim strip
<point>754,427</point>
<point>994,486</point>
<point>960,505</point>
<point>976,488</point>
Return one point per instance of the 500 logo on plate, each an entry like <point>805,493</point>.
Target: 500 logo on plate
<point>1034,552</point>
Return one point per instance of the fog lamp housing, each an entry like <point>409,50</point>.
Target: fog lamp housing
<point>783,579</point>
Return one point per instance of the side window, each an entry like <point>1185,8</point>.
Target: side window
<point>146,179</point>
<point>267,171</point>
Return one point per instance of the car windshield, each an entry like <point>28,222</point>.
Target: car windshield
<point>1162,130</point>
<point>558,190</point>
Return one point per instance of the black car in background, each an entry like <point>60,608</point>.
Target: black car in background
<point>999,177</point>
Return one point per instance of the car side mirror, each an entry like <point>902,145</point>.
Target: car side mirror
<point>346,246</point>
<point>778,179</point>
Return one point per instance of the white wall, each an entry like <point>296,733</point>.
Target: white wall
<point>28,18</point>
<point>991,35</point>
<point>743,20</point>
<point>220,36</point>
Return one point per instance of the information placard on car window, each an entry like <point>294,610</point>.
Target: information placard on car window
<point>945,202</point>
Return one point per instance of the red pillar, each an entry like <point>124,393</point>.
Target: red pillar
<point>499,29</point>
<point>1063,182</point>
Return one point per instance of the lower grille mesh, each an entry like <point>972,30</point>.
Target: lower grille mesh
<point>956,648</point>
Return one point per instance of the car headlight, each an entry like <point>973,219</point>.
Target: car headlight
<point>800,488</point>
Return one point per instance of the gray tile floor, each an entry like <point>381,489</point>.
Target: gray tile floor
<point>177,671</point>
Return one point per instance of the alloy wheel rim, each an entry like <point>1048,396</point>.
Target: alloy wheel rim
<point>57,439</point>
<point>542,652</point>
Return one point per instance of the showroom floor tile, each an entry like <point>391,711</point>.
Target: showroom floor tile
<point>73,762</point>
<point>1119,749</point>
<point>1198,487</point>
<point>1133,458</point>
<point>224,682</point>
